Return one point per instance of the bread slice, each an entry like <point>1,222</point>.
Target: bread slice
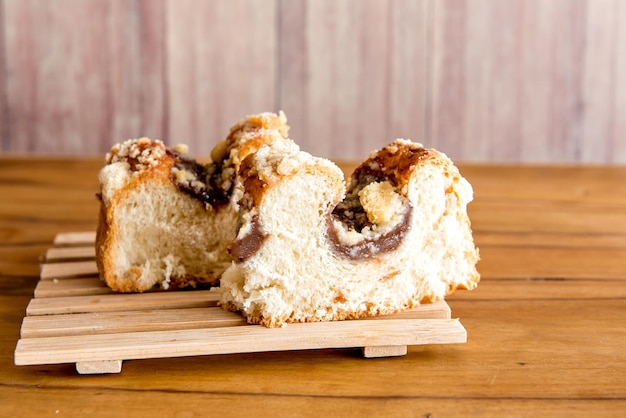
<point>310,250</point>
<point>151,231</point>
<point>165,219</point>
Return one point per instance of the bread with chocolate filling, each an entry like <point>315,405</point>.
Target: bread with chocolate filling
<point>165,219</point>
<point>310,249</point>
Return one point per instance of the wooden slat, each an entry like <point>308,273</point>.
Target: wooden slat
<point>435,310</point>
<point>71,287</point>
<point>80,286</point>
<point>69,269</point>
<point>160,344</point>
<point>122,302</point>
<point>75,238</point>
<point>56,254</point>
<point>128,322</point>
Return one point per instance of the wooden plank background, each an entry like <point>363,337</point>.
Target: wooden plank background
<point>528,81</point>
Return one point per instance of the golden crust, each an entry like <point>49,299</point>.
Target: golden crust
<point>398,160</point>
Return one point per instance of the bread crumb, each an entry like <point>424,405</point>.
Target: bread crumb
<point>140,154</point>
<point>181,148</point>
<point>380,202</point>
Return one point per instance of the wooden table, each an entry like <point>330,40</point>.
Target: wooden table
<point>546,326</point>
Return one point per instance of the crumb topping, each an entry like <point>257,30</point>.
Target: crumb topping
<point>381,203</point>
<point>141,154</point>
<point>244,138</point>
<point>213,183</point>
<point>187,178</point>
<point>181,148</point>
<point>197,180</point>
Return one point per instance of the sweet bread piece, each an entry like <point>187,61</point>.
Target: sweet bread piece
<point>165,219</point>
<point>154,226</point>
<point>309,250</point>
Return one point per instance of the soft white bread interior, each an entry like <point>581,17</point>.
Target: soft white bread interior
<point>308,249</point>
<point>167,220</point>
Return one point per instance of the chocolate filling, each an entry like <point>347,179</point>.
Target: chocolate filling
<point>243,248</point>
<point>369,247</point>
<point>350,211</point>
<point>392,164</point>
<point>212,194</point>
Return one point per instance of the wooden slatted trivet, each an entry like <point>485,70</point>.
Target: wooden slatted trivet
<point>75,318</point>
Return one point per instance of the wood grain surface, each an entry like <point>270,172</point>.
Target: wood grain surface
<point>540,81</point>
<point>545,326</point>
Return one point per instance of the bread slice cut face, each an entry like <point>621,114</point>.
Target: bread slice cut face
<point>308,248</point>
<point>153,230</point>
